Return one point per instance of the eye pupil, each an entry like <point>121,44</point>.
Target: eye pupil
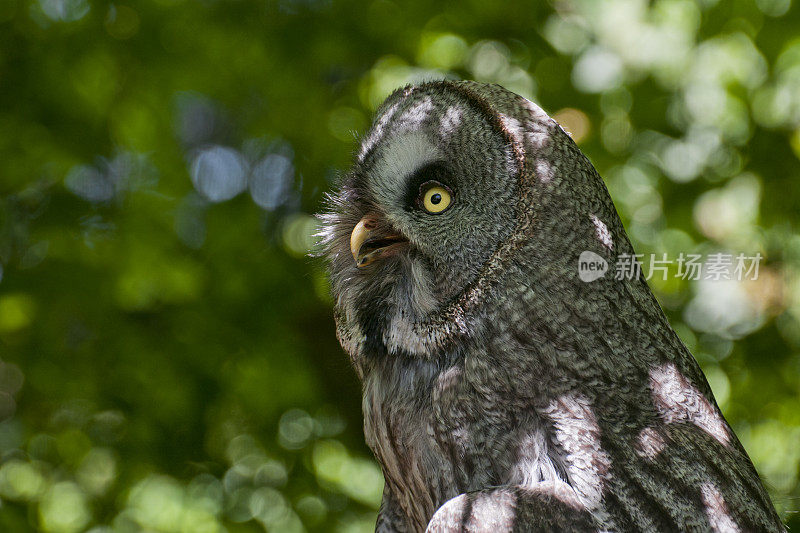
<point>434,197</point>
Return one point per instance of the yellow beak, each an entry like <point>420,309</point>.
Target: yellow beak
<point>360,235</point>
<point>368,242</point>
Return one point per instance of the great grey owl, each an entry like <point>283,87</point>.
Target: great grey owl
<point>501,391</point>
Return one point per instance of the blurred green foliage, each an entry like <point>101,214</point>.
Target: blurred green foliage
<point>168,359</point>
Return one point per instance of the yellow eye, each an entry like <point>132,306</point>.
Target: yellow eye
<point>436,199</point>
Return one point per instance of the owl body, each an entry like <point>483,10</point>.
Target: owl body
<point>501,391</point>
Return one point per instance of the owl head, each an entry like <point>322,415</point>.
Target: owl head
<point>452,181</point>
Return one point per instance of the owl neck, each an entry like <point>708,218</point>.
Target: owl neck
<point>407,324</point>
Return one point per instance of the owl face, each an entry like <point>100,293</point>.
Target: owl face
<point>432,193</point>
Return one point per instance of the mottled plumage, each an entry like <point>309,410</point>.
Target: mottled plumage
<point>501,392</point>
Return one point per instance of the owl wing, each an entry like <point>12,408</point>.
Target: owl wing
<point>683,479</point>
<point>630,420</point>
<point>678,477</point>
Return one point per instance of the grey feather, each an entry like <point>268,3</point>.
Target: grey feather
<point>501,392</point>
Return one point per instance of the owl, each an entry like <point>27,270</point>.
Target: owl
<point>502,390</point>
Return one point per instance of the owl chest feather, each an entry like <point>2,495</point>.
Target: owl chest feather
<point>399,427</point>
<point>437,434</point>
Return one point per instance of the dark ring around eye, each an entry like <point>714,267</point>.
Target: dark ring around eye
<point>425,186</point>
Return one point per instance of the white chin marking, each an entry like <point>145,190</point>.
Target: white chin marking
<point>717,510</point>
<point>678,401</point>
<point>577,432</point>
<point>412,302</point>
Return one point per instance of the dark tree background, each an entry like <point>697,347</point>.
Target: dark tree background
<point>167,354</point>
